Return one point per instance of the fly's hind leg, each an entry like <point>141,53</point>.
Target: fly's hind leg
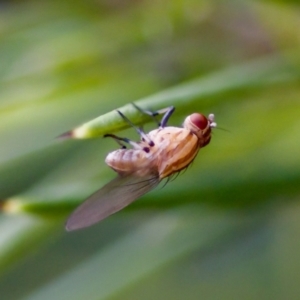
<point>139,130</point>
<point>166,111</point>
<point>121,141</point>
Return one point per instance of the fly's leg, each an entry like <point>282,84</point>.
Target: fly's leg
<point>147,112</point>
<point>121,141</point>
<point>167,114</point>
<point>139,131</point>
<point>166,111</point>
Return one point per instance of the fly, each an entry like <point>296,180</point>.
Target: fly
<point>159,154</point>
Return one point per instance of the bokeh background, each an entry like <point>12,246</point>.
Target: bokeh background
<point>229,227</point>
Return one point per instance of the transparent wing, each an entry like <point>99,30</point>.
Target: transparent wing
<point>111,198</point>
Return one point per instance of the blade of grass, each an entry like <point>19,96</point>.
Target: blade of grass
<point>261,72</point>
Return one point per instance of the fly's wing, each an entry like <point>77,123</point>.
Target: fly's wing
<point>111,198</point>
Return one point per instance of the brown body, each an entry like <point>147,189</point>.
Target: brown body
<point>174,149</point>
<point>160,153</point>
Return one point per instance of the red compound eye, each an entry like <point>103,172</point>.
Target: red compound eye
<point>199,120</point>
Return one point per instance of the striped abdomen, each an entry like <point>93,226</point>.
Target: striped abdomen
<point>128,161</point>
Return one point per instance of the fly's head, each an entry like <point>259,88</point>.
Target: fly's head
<point>200,126</point>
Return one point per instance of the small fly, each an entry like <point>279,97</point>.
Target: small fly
<point>159,154</point>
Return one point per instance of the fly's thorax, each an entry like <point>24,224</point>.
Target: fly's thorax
<point>177,147</point>
<point>163,137</point>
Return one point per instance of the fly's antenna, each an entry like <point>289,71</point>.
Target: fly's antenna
<point>211,119</point>
<point>224,129</point>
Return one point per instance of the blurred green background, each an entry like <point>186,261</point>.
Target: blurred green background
<point>229,227</point>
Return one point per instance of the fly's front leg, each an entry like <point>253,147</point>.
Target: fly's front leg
<point>166,111</point>
<point>167,114</point>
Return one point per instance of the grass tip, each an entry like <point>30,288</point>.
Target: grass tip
<point>66,135</point>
